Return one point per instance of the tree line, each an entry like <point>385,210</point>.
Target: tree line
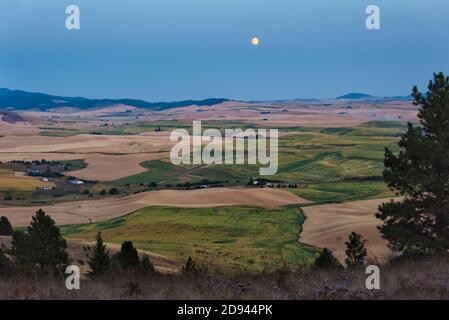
<point>41,250</point>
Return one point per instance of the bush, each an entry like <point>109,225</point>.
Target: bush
<point>128,256</point>
<point>190,267</point>
<point>113,191</point>
<point>153,184</point>
<point>326,260</point>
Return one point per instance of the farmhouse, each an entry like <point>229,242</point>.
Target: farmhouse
<point>76,181</point>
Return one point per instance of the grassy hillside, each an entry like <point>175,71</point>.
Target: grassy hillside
<point>229,239</point>
<point>344,191</point>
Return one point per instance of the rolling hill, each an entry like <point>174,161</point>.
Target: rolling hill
<point>23,100</point>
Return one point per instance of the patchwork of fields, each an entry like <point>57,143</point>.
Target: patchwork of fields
<point>131,191</point>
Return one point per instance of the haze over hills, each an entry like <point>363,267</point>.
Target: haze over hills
<point>24,100</point>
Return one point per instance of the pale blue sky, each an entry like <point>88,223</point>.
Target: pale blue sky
<point>162,50</point>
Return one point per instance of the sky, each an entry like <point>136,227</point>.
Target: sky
<point>166,50</point>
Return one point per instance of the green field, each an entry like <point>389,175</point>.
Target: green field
<point>226,239</point>
<point>335,164</point>
<point>344,191</point>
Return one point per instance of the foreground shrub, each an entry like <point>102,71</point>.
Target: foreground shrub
<point>326,260</point>
<point>190,268</point>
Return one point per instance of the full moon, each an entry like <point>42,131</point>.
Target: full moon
<point>255,41</point>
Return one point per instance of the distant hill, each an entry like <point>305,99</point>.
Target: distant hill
<point>356,96</point>
<point>23,100</point>
<point>364,96</point>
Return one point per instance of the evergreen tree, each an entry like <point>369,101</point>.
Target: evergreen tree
<point>41,246</point>
<point>147,266</point>
<point>5,227</point>
<point>128,256</point>
<point>355,251</point>
<point>326,260</point>
<point>190,267</point>
<point>419,224</point>
<point>99,262</point>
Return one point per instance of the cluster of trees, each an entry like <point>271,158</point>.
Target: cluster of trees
<point>271,183</point>
<point>100,262</point>
<point>355,255</point>
<point>41,250</point>
<point>128,258</point>
<point>199,184</point>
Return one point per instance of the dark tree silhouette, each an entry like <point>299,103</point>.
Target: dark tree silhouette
<point>128,256</point>
<point>5,227</point>
<point>146,265</point>
<point>41,246</point>
<point>419,224</point>
<point>355,251</point>
<point>326,260</point>
<point>99,261</point>
<point>190,267</point>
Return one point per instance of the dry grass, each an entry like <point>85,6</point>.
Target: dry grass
<point>329,225</point>
<point>413,280</point>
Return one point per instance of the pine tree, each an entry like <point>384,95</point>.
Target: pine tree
<point>5,227</point>
<point>128,256</point>
<point>190,267</point>
<point>419,224</point>
<point>99,262</point>
<point>326,260</point>
<point>41,246</point>
<point>355,251</point>
<point>146,265</point>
